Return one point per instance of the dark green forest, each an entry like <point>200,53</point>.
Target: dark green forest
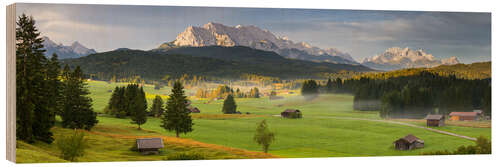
<point>414,93</point>
<point>212,61</point>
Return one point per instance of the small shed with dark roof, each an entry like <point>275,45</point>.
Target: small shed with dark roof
<point>435,120</point>
<point>408,142</point>
<point>291,113</point>
<point>194,109</point>
<point>149,145</point>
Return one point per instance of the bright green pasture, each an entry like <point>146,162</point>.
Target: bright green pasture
<point>321,133</point>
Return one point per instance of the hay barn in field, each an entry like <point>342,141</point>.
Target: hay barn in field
<point>149,145</point>
<point>194,109</point>
<point>464,116</point>
<point>435,120</point>
<point>291,113</point>
<point>408,142</point>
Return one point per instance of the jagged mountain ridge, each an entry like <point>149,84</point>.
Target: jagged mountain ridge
<point>215,34</point>
<point>399,58</point>
<point>75,50</point>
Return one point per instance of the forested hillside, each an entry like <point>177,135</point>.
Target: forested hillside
<point>213,61</point>
<point>480,70</point>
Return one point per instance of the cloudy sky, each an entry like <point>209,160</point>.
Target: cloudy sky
<point>360,33</point>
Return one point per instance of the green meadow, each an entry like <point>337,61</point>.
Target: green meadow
<point>329,128</point>
<point>321,133</point>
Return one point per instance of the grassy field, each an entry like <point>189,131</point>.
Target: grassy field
<point>321,133</point>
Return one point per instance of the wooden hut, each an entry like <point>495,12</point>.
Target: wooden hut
<point>194,109</point>
<point>435,120</point>
<point>408,142</point>
<point>149,145</point>
<point>464,116</point>
<point>291,113</point>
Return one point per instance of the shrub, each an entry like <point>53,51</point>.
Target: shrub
<point>186,156</point>
<point>483,146</point>
<point>72,146</point>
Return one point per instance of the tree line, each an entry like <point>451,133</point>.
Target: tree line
<point>222,91</point>
<point>410,96</point>
<point>43,90</point>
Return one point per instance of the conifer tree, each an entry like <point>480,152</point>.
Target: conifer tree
<point>157,107</point>
<point>33,115</point>
<point>177,116</point>
<point>140,105</point>
<point>77,112</point>
<point>229,106</point>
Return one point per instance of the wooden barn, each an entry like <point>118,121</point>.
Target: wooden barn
<point>194,109</point>
<point>464,116</point>
<point>408,142</point>
<point>149,145</point>
<point>291,113</point>
<point>435,120</point>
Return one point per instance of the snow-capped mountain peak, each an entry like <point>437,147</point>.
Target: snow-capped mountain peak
<point>75,50</point>
<point>252,36</point>
<point>398,58</point>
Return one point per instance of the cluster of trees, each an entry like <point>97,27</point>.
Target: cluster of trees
<point>129,101</point>
<point>42,91</point>
<point>310,89</point>
<point>410,93</point>
<point>414,96</point>
<point>223,91</point>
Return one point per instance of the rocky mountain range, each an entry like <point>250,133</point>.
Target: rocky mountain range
<point>399,58</point>
<point>215,34</point>
<point>75,50</point>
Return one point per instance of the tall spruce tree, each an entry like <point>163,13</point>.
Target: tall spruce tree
<point>34,117</point>
<point>131,91</point>
<point>157,107</point>
<point>177,116</point>
<point>229,106</point>
<point>77,111</point>
<point>140,105</point>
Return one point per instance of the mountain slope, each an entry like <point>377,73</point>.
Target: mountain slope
<point>214,34</point>
<point>400,58</point>
<point>215,61</point>
<point>75,50</point>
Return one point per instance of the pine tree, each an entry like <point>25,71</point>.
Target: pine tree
<point>140,105</point>
<point>157,107</point>
<point>77,112</point>
<point>229,106</point>
<point>33,115</point>
<point>177,117</point>
<point>130,93</point>
<point>48,107</point>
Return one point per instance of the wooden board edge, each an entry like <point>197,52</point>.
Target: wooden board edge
<point>11,83</point>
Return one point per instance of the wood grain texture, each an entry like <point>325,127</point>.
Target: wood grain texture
<point>11,82</point>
